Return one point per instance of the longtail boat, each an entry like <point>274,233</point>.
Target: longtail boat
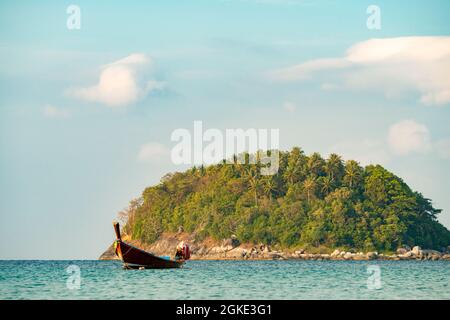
<point>135,258</point>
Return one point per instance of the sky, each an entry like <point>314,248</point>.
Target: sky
<point>86,114</point>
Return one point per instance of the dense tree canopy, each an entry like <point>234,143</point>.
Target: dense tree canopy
<point>310,201</point>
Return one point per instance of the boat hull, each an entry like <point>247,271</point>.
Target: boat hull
<point>135,258</point>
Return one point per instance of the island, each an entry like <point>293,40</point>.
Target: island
<point>312,208</point>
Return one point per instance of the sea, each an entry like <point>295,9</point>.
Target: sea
<point>289,279</point>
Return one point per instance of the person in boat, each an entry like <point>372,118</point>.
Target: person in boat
<point>182,251</point>
<point>179,253</point>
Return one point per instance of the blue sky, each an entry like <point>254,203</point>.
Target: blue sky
<point>71,159</point>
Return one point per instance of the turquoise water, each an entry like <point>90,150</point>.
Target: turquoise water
<point>227,280</point>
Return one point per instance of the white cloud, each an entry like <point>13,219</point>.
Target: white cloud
<point>408,136</point>
<point>152,151</point>
<point>308,69</point>
<point>394,66</point>
<point>118,83</point>
<point>50,111</point>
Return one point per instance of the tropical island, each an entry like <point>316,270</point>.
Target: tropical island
<point>312,208</point>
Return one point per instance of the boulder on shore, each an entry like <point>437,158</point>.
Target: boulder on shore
<point>232,242</point>
<point>371,255</point>
<point>348,256</point>
<point>417,251</point>
<point>406,256</point>
<point>335,253</point>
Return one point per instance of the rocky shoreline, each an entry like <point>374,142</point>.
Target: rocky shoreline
<point>415,254</point>
<point>232,249</point>
<point>265,253</point>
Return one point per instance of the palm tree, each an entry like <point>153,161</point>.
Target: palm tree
<point>353,172</point>
<point>309,185</point>
<point>269,186</point>
<point>327,185</point>
<point>254,182</point>
<point>290,175</point>
<point>295,165</point>
<point>315,164</point>
<point>334,167</point>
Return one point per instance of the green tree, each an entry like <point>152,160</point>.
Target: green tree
<point>327,184</point>
<point>353,173</point>
<point>295,166</point>
<point>310,185</point>
<point>269,186</point>
<point>334,167</point>
<point>316,165</point>
<point>254,182</point>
